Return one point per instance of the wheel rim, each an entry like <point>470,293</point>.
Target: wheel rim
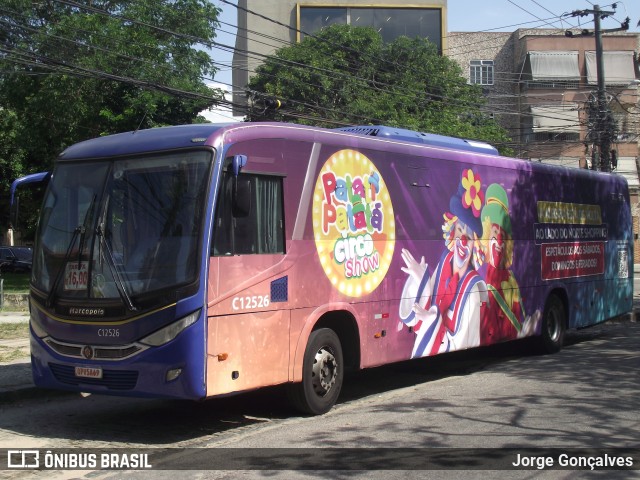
<point>325,371</point>
<point>553,325</point>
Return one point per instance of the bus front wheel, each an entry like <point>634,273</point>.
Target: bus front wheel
<point>553,326</point>
<point>322,374</point>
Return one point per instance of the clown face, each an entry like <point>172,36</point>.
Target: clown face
<point>463,247</point>
<point>496,246</point>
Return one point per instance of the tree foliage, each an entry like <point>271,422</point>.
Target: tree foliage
<point>72,70</point>
<point>347,75</point>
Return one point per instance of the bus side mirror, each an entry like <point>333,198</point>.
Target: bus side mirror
<point>41,178</point>
<point>241,194</point>
<point>238,162</point>
<point>13,213</point>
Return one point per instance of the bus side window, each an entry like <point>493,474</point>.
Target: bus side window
<point>258,227</point>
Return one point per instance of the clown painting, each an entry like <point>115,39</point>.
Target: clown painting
<point>444,308</point>
<point>503,318</point>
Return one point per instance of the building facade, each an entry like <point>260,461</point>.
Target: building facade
<point>267,25</point>
<point>541,86</point>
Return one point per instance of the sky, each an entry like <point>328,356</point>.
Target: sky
<point>463,16</point>
<point>509,15</point>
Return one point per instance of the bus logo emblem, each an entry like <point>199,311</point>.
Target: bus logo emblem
<point>87,352</point>
<point>353,223</point>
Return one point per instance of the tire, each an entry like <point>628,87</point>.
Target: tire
<point>554,325</point>
<point>322,374</point>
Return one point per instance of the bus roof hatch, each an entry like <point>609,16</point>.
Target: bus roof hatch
<point>421,137</point>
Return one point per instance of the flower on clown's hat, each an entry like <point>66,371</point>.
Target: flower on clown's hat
<point>473,196</point>
<point>466,203</point>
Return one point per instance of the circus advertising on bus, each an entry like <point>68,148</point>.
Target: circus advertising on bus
<point>353,223</point>
<point>572,239</point>
<point>467,291</point>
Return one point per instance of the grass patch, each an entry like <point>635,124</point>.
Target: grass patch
<point>15,282</point>
<point>9,354</point>
<point>10,331</point>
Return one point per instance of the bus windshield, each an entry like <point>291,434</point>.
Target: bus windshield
<point>121,228</point>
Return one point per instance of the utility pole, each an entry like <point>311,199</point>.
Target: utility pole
<point>604,120</point>
<point>603,109</point>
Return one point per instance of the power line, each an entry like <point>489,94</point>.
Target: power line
<point>365,82</point>
<point>527,11</point>
<point>296,30</point>
<point>332,72</point>
<point>443,98</point>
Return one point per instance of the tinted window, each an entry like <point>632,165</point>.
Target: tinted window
<point>313,19</point>
<point>391,23</point>
<point>256,229</point>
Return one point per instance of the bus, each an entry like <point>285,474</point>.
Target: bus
<point>206,260</point>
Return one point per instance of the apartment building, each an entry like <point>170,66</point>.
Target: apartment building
<point>539,84</point>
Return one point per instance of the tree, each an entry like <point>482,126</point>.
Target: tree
<point>72,70</point>
<point>12,154</point>
<point>347,75</point>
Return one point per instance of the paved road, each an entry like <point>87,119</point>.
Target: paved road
<point>586,396</point>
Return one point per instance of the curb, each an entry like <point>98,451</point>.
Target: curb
<point>631,317</point>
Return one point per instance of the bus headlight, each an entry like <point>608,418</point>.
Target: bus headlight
<point>170,332</point>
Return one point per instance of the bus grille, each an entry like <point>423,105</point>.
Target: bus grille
<point>99,353</point>
<point>112,379</point>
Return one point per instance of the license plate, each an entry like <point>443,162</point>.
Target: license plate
<point>89,372</point>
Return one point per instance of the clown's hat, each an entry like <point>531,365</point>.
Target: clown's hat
<point>467,214</point>
<point>497,207</point>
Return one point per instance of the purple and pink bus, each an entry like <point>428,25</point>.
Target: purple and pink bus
<point>205,260</point>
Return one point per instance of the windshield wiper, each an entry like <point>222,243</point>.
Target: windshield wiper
<point>120,286</point>
<point>80,231</point>
<point>56,282</point>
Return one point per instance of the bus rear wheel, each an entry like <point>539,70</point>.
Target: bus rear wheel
<point>322,374</point>
<point>553,326</point>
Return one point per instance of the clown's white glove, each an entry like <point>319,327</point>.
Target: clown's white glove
<point>414,269</point>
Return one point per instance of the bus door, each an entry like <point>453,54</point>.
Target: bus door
<point>248,328</point>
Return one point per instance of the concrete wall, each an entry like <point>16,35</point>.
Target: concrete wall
<point>502,103</point>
